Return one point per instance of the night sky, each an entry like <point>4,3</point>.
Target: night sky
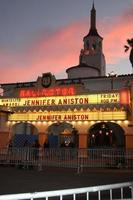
<point>38,36</point>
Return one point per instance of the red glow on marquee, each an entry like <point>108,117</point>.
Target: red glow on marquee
<point>125,97</point>
<point>57,91</point>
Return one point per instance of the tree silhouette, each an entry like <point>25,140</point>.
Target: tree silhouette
<point>130,46</point>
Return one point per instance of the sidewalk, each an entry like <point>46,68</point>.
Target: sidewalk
<point>13,180</point>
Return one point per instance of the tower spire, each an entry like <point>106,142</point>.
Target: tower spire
<point>93,4</point>
<point>93,17</point>
<point>93,29</point>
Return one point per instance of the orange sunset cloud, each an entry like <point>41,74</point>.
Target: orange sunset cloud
<point>115,39</point>
<point>61,49</point>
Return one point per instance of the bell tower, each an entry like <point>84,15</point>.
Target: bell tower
<point>92,53</point>
<point>91,59</point>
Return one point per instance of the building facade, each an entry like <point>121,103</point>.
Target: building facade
<point>86,110</point>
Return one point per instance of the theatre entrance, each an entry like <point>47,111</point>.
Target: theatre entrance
<point>24,134</point>
<point>62,134</point>
<point>106,135</point>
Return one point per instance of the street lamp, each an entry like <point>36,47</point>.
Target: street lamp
<point>112,75</point>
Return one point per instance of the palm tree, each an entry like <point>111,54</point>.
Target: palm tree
<point>130,46</point>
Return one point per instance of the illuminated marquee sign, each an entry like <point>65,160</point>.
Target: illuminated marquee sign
<point>55,91</point>
<point>69,116</point>
<point>104,98</point>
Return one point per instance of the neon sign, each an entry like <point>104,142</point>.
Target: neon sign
<point>47,92</point>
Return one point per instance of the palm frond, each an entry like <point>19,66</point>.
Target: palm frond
<point>130,42</point>
<point>131,57</point>
<point>126,48</point>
